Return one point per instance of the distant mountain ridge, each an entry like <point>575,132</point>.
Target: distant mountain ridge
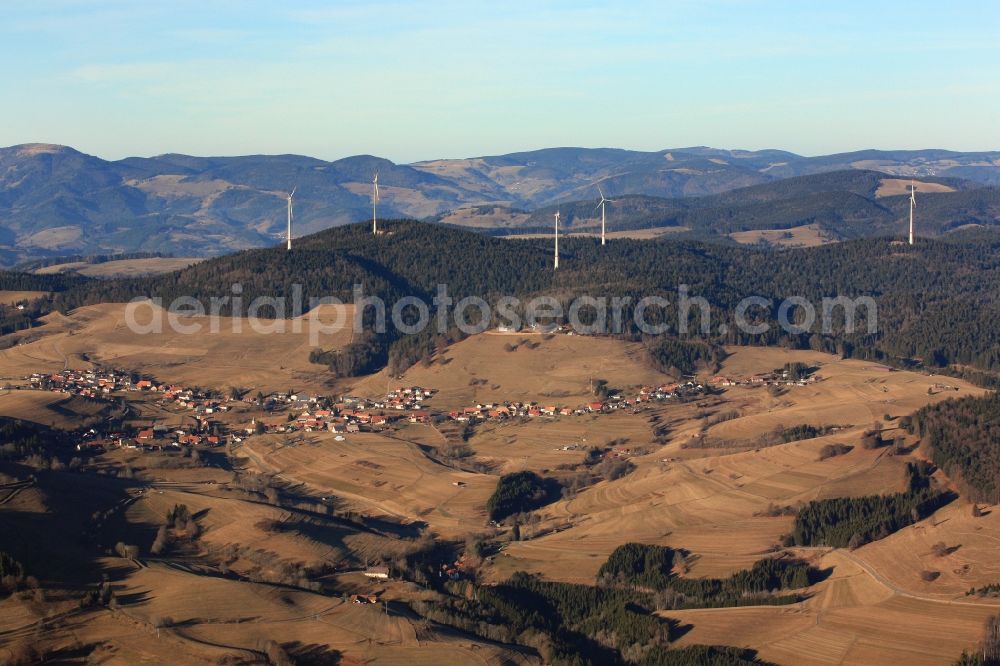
<point>839,205</point>
<point>55,200</point>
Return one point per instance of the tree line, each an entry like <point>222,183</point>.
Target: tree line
<point>656,569</point>
<point>678,357</point>
<point>963,436</point>
<point>851,522</point>
<point>576,624</point>
<point>613,622</point>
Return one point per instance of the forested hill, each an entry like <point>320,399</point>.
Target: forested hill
<point>964,440</point>
<point>938,303</point>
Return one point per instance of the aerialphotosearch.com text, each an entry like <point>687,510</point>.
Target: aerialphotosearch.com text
<point>681,313</point>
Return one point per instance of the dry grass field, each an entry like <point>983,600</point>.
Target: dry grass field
<point>541,444</point>
<point>225,519</point>
<point>636,234</point>
<point>893,187</point>
<point>177,609</point>
<point>55,238</point>
<point>553,369</point>
<point>205,619</point>
<point>972,545</point>
<point>14,297</point>
<point>646,234</point>
<point>493,218</point>
<point>380,475</point>
<point>123,267</point>
<point>236,355</point>
<point>808,235</point>
<point>852,618</point>
<point>707,506</point>
<point>263,536</point>
<point>705,500</point>
<point>51,409</point>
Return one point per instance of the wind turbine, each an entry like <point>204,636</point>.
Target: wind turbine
<point>913,205</point>
<point>601,206</point>
<point>556,265</point>
<point>374,204</point>
<point>288,236</point>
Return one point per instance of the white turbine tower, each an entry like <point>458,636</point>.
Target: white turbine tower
<point>556,264</point>
<point>601,205</point>
<point>374,204</point>
<point>288,236</point>
<point>913,205</point>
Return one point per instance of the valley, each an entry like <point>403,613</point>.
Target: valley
<point>341,502</point>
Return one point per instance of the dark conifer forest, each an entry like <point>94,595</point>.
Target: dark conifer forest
<point>614,622</point>
<point>963,436</point>
<point>851,522</point>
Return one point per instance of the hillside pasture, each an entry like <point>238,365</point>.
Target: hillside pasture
<point>379,475</point>
<point>852,618</point>
<point>969,559</point>
<point>207,614</point>
<point>124,267</point>
<point>552,369</point>
<point>894,187</point>
<point>14,297</point>
<point>542,444</point>
<point>807,235</point>
<point>235,355</point>
<point>713,501</point>
<point>57,410</point>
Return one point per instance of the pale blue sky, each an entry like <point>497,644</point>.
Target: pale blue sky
<point>412,81</point>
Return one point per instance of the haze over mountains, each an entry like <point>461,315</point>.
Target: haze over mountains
<point>56,201</point>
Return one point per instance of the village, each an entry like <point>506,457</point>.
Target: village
<point>289,412</point>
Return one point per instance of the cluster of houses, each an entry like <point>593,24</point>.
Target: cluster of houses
<point>670,391</point>
<point>349,414</point>
<point>364,598</point>
<point>353,414</point>
<point>782,378</point>
<point>190,399</point>
<point>87,383</point>
<point>100,384</point>
<point>456,570</point>
<point>150,439</point>
<point>507,410</point>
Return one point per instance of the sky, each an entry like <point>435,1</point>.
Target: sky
<point>445,79</point>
